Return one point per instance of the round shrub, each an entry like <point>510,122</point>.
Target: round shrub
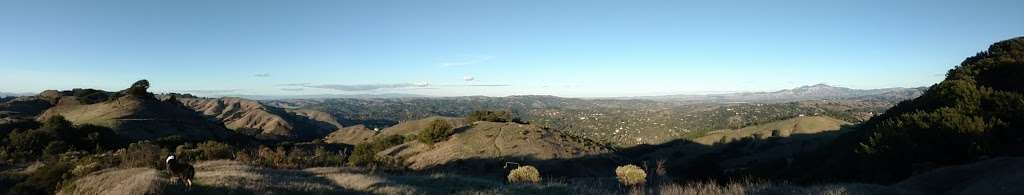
<point>630,175</point>
<point>524,174</point>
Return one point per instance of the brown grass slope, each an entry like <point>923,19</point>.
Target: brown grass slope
<point>748,145</point>
<point>232,177</point>
<point>360,133</point>
<point>253,118</point>
<point>119,181</point>
<point>138,117</point>
<point>351,135</point>
<point>786,128</point>
<point>490,140</point>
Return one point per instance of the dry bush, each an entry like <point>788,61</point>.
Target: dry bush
<point>296,157</point>
<point>631,175</point>
<point>92,163</point>
<point>209,150</point>
<point>524,174</point>
<point>212,150</point>
<point>142,154</point>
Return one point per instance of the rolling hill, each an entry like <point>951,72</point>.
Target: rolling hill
<point>137,115</point>
<point>784,128</point>
<point>351,135</point>
<point>253,118</point>
<point>496,143</point>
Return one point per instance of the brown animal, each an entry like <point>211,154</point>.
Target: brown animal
<point>180,170</point>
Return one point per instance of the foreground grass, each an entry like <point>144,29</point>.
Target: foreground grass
<point>232,177</point>
<point>760,187</point>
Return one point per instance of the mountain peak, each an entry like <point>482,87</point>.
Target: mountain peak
<point>817,86</point>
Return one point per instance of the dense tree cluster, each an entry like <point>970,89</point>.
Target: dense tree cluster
<point>977,111</point>
<point>56,136</point>
<point>490,116</point>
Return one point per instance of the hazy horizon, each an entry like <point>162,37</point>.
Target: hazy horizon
<point>399,94</point>
<point>490,48</point>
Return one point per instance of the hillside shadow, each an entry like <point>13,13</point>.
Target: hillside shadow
<point>681,160</point>
<point>369,123</point>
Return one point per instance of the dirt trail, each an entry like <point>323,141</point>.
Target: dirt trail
<point>494,142</point>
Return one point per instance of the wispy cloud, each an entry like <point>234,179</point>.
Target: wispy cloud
<point>262,75</point>
<point>294,84</point>
<point>488,85</point>
<point>474,85</point>
<point>466,61</point>
<point>368,87</point>
<point>292,89</point>
<point>210,91</point>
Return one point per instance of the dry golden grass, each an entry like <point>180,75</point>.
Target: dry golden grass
<point>369,183</point>
<point>119,181</point>
<point>235,175</point>
<point>232,177</point>
<point>757,187</point>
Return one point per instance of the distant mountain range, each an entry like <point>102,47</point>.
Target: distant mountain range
<point>9,94</point>
<point>327,96</point>
<point>810,92</point>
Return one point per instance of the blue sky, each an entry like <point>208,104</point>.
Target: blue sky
<point>495,48</point>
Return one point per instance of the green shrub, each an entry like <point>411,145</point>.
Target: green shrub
<point>524,174</point>
<point>438,130</point>
<point>92,163</point>
<point>366,153</point>
<point>43,181</point>
<point>55,136</point>
<point>324,157</point>
<point>631,175</point>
